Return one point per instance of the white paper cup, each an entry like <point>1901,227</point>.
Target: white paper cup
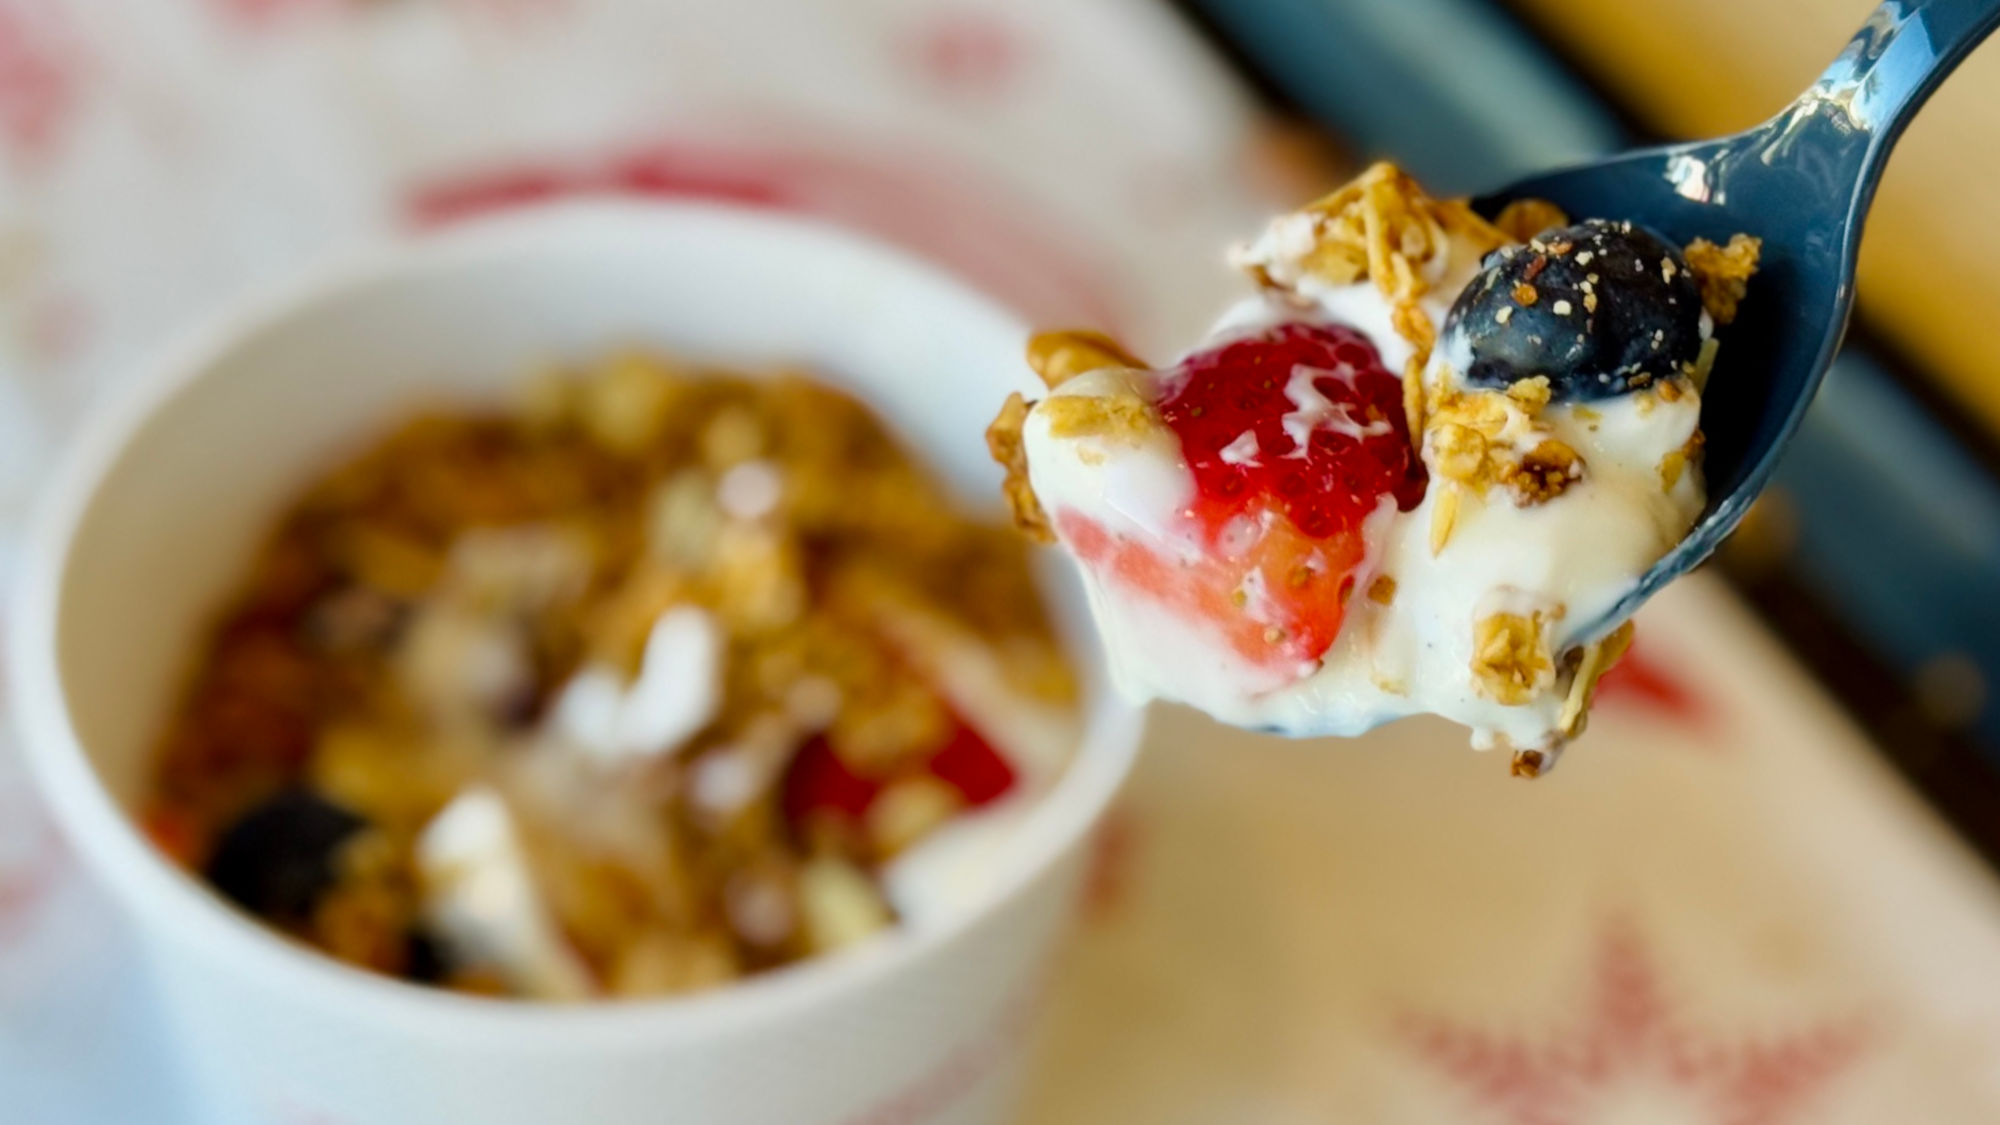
<point>153,519</point>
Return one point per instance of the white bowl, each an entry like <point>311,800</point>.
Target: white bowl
<point>153,517</point>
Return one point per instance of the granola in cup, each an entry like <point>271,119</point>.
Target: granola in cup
<point>654,680</point>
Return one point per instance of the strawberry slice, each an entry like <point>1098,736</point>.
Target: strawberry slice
<point>971,765</point>
<point>818,783</point>
<point>1294,436</point>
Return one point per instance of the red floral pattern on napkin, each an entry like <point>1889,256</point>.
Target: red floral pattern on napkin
<point>1629,1046</point>
<point>41,80</point>
<point>915,199</point>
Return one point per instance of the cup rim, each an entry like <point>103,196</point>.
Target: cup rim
<point>165,900</point>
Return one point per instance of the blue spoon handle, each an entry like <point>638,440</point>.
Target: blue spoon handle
<point>1897,59</point>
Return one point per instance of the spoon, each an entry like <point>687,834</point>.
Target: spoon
<point>1802,182</point>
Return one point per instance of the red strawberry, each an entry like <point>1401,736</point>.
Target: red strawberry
<point>1295,436</point>
<point>818,783</point>
<point>971,765</point>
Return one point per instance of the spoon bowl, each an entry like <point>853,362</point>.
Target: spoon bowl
<point>1802,182</point>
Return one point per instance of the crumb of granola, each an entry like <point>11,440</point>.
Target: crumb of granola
<point>1459,452</point>
<point>1412,323</point>
<point>547,400</point>
<point>839,905</point>
<point>1597,659</point>
<point>1459,220</point>
<point>1003,442</point>
<point>666,964</point>
<point>1671,469</point>
<point>1382,591</point>
<point>1124,417</point>
<point>908,810</point>
<point>1532,392</point>
<point>365,918</point>
<point>1444,516</point>
<point>758,579</point>
<point>1382,227</point>
<point>885,723</point>
<point>1704,363</point>
<point>1510,657</point>
<point>1525,294</point>
<point>389,560</point>
<point>1413,402</point>
<point>1723,272</point>
<point>1523,219</point>
<point>1676,462</point>
<point>1527,763</point>
<point>1474,437</point>
<point>1543,473</point>
<point>1379,227</point>
<point>1058,357</point>
<point>626,405</point>
<point>733,435</point>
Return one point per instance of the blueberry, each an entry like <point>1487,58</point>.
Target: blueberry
<point>1600,308</point>
<point>278,859</point>
<point>427,962</point>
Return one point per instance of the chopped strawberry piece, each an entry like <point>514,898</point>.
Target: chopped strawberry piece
<point>1304,585</point>
<point>970,764</point>
<point>1242,410</point>
<point>1294,436</point>
<point>819,782</point>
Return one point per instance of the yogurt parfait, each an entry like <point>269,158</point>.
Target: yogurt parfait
<point>1409,474</point>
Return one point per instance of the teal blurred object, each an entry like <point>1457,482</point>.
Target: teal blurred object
<point>1456,91</point>
<point>1898,522</point>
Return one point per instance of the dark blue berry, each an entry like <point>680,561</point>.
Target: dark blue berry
<point>278,859</point>
<point>427,961</point>
<point>1601,308</point>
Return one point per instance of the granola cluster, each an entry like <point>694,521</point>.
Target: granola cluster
<point>1380,227</point>
<point>1723,272</point>
<point>462,608</point>
<point>1510,657</point>
<point>1476,440</point>
<point>1056,358</point>
<point>1512,665</point>
<point>1479,439</point>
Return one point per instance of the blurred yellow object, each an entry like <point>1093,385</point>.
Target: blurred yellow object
<point>1930,265</point>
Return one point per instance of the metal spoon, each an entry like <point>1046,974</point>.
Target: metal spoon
<point>1802,182</point>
